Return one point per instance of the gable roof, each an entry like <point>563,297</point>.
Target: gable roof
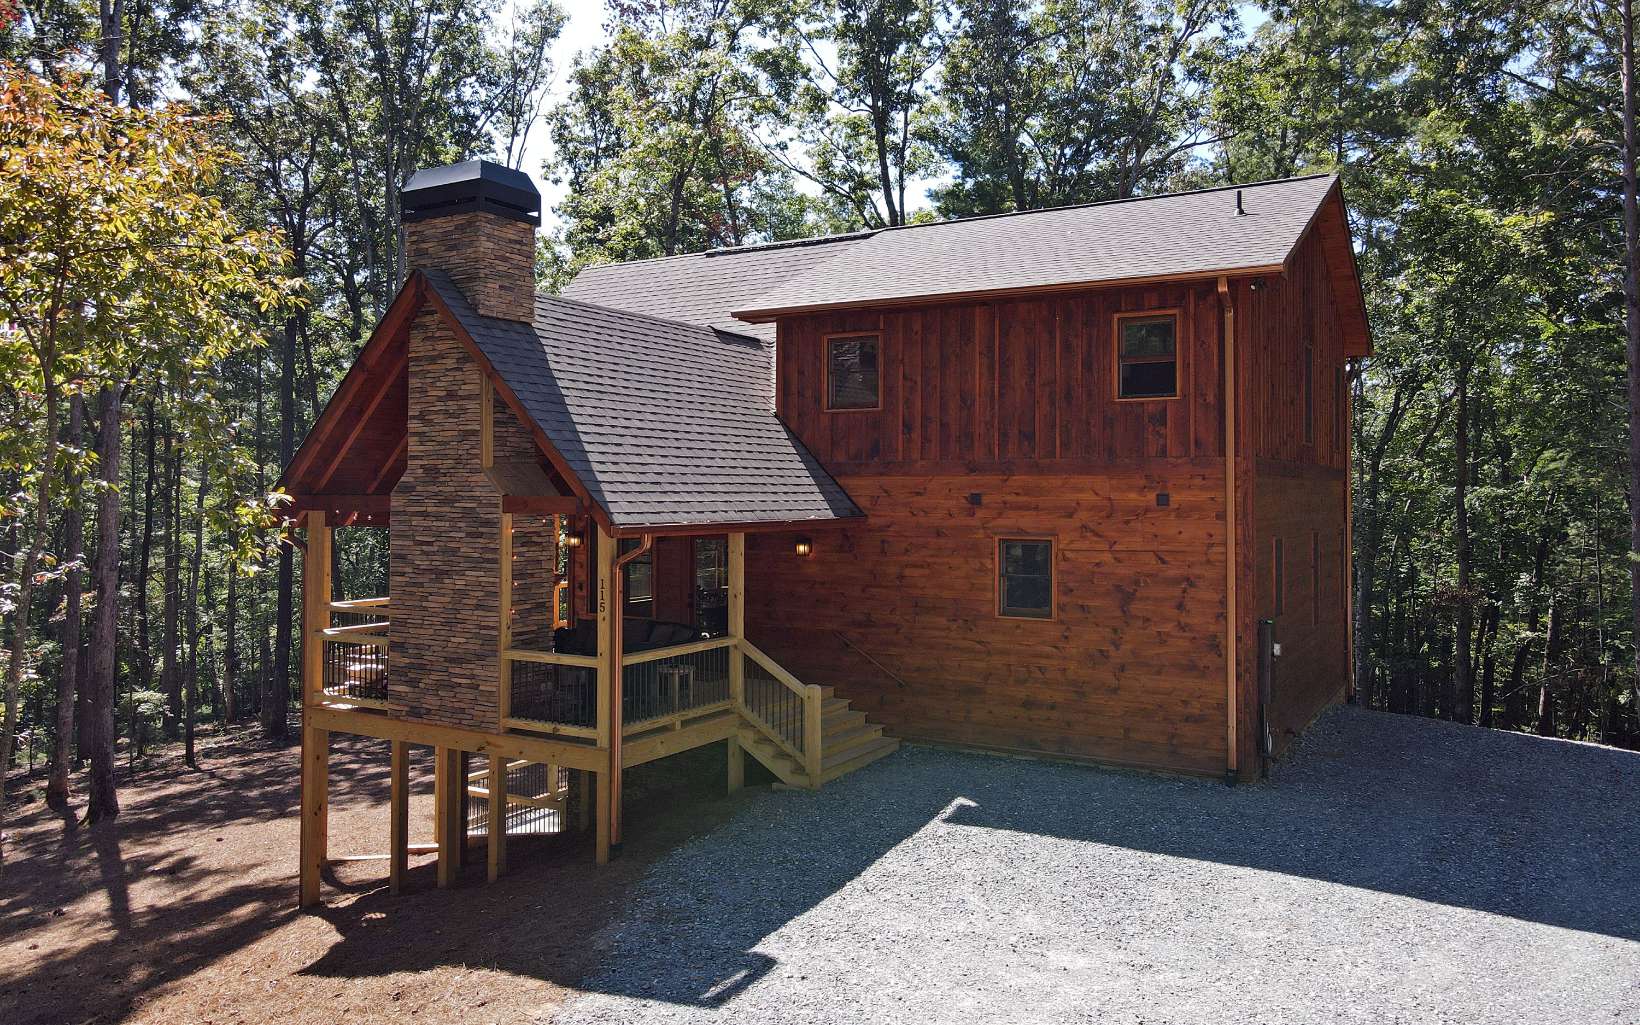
<point>703,288</point>
<point>664,424</point>
<point>1167,237</point>
<point>1179,235</point>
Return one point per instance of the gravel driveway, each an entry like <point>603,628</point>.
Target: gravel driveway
<point>1393,870</point>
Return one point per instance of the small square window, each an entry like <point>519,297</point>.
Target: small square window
<point>1025,579</point>
<point>852,379</point>
<point>1147,360</point>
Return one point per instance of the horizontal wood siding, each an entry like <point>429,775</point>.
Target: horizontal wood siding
<point>899,613</point>
<point>1016,386</point>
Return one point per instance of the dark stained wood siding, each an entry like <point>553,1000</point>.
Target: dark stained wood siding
<point>1303,510</point>
<point>899,613</point>
<point>1299,495</point>
<point>1285,313</point>
<point>1022,385</point>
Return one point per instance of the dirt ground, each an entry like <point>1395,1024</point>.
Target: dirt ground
<point>183,910</point>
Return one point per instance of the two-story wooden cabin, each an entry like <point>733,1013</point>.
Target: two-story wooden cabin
<point>1025,483</point>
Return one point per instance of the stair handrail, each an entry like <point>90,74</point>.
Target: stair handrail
<point>812,699</point>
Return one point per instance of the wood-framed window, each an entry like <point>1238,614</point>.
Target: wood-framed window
<point>1025,578</point>
<point>638,582</point>
<point>854,371</point>
<point>1278,576</point>
<point>1147,355</point>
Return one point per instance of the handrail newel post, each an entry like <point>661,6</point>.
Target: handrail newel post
<point>812,701</point>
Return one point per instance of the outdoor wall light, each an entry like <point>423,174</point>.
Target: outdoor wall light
<point>572,540</point>
<point>804,547</point>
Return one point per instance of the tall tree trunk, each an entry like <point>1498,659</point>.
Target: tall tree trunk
<point>230,654</point>
<point>1631,311</point>
<point>145,656</point>
<point>1463,674</point>
<point>277,698</point>
<point>1489,662</point>
<point>68,677</point>
<point>1546,693</point>
<point>104,800</point>
<point>33,544</point>
<point>190,702</point>
<point>170,672</point>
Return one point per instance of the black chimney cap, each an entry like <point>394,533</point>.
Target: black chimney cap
<point>468,186</point>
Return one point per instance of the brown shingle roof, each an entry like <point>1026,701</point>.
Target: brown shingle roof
<point>1169,236</point>
<point>664,423</point>
<point>703,288</point>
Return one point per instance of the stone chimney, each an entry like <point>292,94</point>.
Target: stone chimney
<point>476,222</point>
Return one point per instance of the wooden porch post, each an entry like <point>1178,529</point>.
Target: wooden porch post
<point>315,829</point>
<point>609,722</point>
<point>399,814</point>
<point>504,631</point>
<point>497,832</point>
<point>448,828</point>
<point>737,664</point>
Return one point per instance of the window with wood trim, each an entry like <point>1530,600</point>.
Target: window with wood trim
<point>1025,585</point>
<point>853,371</point>
<point>1147,355</point>
<point>1309,394</point>
<point>638,582</point>
<point>1278,577</point>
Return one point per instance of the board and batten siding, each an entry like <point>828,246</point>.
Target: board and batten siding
<point>1006,384</point>
<point>1301,496</point>
<point>999,419</point>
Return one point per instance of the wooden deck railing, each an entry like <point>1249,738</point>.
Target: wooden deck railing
<point>549,692</point>
<point>356,647</point>
<point>782,707</point>
<point>665,686</point>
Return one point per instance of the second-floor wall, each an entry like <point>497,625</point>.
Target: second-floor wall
<point>1035,383</point>
<point>1005,385</point>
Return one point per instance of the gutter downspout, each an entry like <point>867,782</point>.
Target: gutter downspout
<point>1230,526</point>
<point>616,725</point>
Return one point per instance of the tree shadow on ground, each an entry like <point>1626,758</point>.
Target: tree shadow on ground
<point>1542,831</point>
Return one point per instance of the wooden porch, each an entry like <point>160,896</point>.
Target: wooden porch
<point>593,713</point>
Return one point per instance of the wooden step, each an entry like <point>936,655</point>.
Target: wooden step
<point>859,757</point>
<point>843,720</point>
<point>854,736</point>
<point>774,758</point>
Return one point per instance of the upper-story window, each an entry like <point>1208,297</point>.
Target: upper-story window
<point>1147,355</point>
<point>853,377</point>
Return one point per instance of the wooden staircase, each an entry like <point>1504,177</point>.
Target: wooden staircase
<point>847,742</point>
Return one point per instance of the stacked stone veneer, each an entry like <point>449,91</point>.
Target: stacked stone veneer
<point>491,259</point>
<point>445,544</point>
<point>535,544</point>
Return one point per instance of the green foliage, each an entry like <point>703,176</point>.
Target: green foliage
<point>656,140</point>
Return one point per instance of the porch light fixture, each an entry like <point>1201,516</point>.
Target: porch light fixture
<point>572,540</point>
<point>804,547</point>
